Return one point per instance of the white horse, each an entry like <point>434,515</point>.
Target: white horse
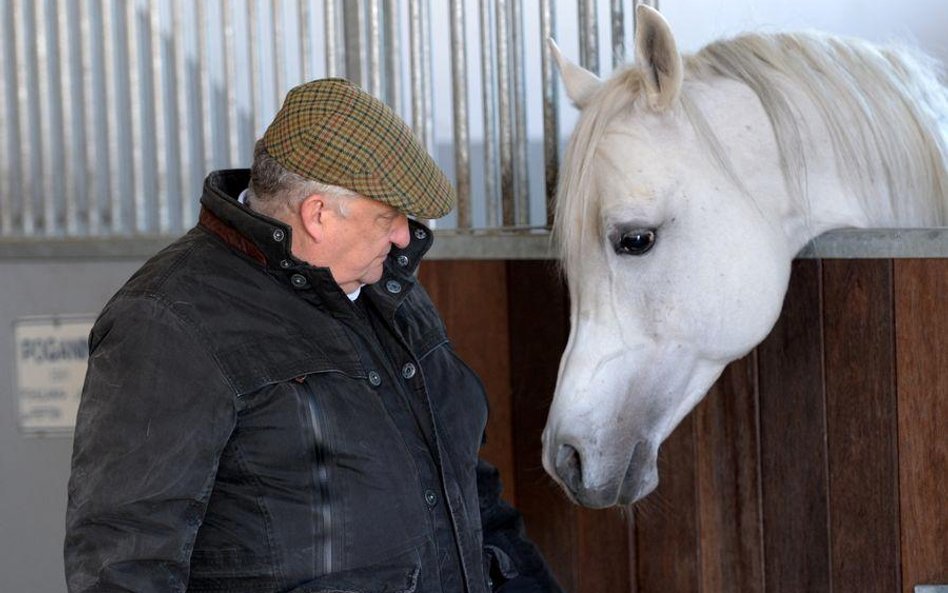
<point>688,186</point>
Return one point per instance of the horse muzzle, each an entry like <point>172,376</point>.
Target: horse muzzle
<point>578,477</point>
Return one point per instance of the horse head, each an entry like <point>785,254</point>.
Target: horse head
<point>674,267</point>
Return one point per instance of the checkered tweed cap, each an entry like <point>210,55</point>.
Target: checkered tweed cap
<point>333,132</point>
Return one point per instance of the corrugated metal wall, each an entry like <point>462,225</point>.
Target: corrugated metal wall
<point>113,111</point>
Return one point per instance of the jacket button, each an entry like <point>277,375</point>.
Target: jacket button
<point>420,234</point>
<point>285,263</point>
<point>278,235</point>
<point>402,260</point>
<point>431,497</point>
<point>408,371</point>
<point>393,286</point>
<point>298,280</point>
<point>375,379</point>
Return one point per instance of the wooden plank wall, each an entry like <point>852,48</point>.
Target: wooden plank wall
<point>818,463</point>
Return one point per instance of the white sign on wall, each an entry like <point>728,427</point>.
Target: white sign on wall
<point>50,366</point>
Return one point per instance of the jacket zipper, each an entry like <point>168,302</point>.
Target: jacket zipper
<point>321,479</point>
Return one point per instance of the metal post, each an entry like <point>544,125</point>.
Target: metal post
<point>550,108</point>
<point>393,62</point>
<point>354,25</point>
<point>332,41</point>
<point>588,36</point>
<point>490,123</point>
<point>506,111</point>
<point>618,32</point>
<point>462,164</point>
<point>374,42</point>
<point>521,165</point>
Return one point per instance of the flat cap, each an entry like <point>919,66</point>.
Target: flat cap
<point>333,132</point>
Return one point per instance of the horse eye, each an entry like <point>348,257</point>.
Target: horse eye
<point>635,242</point>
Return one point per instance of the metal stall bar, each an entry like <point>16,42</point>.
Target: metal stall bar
<point>551,158</point>
<point>70,30</point>
<point>490,120</point>
<point>303,10</point>
<point>521,164</point>
<point>393,62</point>
<point>374,43</point>
<point>228,87</point>
<point>13,165</point>
<point>147,196</point>
<point>505,108</point>
<point>462,159</point>
<point>51,95</point>
<point>588,36</point>
<point>98,91</point>
<point>31,146</point>
<point>332,41</point>
<point>170,214</point>
<point>354,19</point>
<point>617,10</point>
<point>420,49</point>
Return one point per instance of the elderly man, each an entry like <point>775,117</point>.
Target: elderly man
<point>272,403</point>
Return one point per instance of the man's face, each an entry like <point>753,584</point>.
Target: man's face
<point>355,246</point>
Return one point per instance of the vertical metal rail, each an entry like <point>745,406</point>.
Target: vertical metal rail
<point>490,122</point>
<point>232,127</point>
<point>374,43</point>
<point>588,36</point>
<point>303,17</point>
<point>194,94</point>
<point>462,160</point>
<point>102,184</point>
<point>147,196</point>
<point>617,11</point>
<point>32,147</point>
<point>12,167</point>
<point>332,41</point>
<point>505,109</point>
<point>170,211</point>
<point>393,61</point>
<point>71,54</point>
<point>551,158</point>
<point>520,163</point>
<point>418,119</point>
<point>354,28</point>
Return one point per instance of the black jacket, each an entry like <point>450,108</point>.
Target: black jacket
<point>245,427</point>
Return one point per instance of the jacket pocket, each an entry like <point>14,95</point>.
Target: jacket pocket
<point>381,578</point>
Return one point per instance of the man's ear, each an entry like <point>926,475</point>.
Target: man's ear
<point>312,214</point>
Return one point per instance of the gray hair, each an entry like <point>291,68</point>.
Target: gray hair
<point>275,191</point>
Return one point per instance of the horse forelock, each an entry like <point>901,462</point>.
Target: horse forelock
<point>577,205</point>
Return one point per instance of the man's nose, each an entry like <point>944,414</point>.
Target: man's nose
<point>400,237</point>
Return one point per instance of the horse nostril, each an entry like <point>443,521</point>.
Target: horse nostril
<point>569,467</point>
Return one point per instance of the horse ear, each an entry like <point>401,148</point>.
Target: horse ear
<point>657,53</point>
<point>580,83</point>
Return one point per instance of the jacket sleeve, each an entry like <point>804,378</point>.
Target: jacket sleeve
<point>514,563</point>
<point>155,413</point>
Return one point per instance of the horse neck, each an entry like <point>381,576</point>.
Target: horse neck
<point>833,200</point>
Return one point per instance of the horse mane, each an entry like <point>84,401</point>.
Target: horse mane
<point>880,105</point>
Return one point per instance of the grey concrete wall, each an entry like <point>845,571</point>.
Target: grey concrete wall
<point>34,469</point>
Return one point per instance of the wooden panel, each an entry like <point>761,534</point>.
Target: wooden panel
<point>921,314</point>
<point>666,520</point>
<point>538,316</point>
<point>603,546</point>
<point>731,547</point>
<point>792,445</point>
<point>472,298</point>
<point>861,422</point>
